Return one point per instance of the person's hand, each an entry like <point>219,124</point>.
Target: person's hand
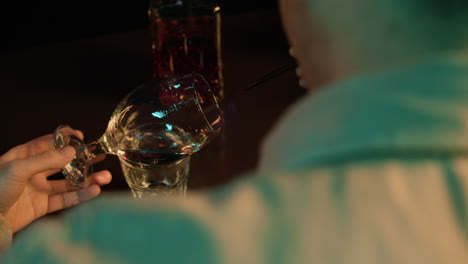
<point>25,192</point>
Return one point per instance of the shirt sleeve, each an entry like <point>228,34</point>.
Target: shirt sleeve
<point>6,235</point>
<point>372,212</point>
<point>228,225</point>
<point>115,231</point>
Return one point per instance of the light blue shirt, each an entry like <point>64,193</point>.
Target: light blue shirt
<point>373,169</point>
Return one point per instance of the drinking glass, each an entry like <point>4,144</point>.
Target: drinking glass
<point>153,131</point>
<point>187,38</point>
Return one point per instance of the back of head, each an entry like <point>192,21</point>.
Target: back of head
<point>349,37</point>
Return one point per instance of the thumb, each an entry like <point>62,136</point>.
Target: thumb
<point>49,160</point>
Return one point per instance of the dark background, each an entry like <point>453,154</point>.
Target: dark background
<point>71,63</point>
<point>27,24</point>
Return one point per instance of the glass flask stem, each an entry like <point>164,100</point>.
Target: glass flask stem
<point>104,145</point>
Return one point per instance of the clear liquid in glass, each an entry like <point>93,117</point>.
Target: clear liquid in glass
<point>155,159</point>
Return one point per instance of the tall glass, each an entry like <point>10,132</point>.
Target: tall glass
<point>187,39</point>
<point>149,181</point>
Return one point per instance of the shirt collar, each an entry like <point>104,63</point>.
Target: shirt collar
<point>421,108</point>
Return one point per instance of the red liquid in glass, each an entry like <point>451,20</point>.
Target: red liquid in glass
<point>188,45</point>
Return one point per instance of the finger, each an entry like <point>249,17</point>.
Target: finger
<point>24,169</point>
<point>102,177</point>
<point>30,148</point>
<point>79,134</point>
<point>63,186</point>
<point>66,200</point>
<point>50,172</point>
<point>41,144</point>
